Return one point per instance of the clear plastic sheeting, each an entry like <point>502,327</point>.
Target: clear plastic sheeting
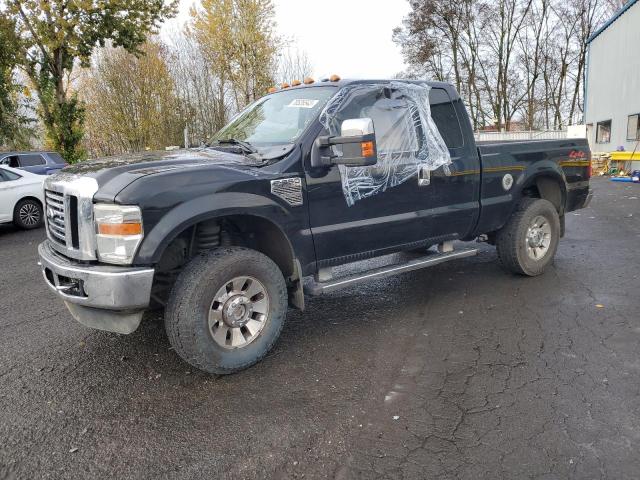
<point>407,138</point>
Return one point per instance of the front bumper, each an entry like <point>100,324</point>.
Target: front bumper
<point>99,296</point>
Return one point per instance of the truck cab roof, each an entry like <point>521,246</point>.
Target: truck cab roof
<point>343,82</point>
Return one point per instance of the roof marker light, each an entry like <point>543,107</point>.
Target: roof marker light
<point>334,78</point>
<point>272,89</point>
<point>308,81</point>
<point>285,85</point>
<point>295,83</point>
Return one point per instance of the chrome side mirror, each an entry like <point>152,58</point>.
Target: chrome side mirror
<point>354,127</point>
<point>358,141</point>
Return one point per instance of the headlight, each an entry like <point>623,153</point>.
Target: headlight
<point>118,232</point>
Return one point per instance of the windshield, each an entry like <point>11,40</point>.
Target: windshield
<point>277,119</point>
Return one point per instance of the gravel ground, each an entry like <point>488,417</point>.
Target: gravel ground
<point>459,371</point>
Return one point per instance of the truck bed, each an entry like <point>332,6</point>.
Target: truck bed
<point>564,161</point>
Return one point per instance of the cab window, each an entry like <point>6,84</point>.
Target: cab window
<point>444,115</point>
<point>394,119</point>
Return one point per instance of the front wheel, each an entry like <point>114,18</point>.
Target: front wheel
<point>528,242</point>
<point>226,309</point>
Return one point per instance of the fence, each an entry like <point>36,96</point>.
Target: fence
<point>520,135</point>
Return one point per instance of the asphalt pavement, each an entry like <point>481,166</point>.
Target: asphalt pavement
<point>458,371</point>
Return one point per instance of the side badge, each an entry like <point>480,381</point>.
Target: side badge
<point>288,189</point>
<point>507,182</point>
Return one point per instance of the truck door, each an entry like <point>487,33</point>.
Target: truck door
<point>383,215</point>
<point>425,207</point>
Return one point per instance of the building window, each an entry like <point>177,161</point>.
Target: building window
<point>633,127</point>
<point>603,132</point>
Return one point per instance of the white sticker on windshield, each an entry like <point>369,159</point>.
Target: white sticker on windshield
<point>303,103</point>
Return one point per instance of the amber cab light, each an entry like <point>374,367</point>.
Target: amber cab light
<point>308,81</point>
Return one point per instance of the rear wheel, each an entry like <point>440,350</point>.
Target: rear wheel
<point>226,309</point>
<point>528,243</point>
<point>28,214</point>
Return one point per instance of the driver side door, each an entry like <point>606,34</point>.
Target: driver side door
<point>361,212</point>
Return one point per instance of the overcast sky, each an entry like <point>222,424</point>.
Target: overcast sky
<point>351,38</point>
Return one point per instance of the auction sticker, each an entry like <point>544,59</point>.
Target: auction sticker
<point>303,103</point>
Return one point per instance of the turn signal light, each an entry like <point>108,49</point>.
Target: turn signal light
<point>119,228</point>
<point>367,149</point>
<point>308,81</point>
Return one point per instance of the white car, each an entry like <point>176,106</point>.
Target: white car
<point>21,198</point>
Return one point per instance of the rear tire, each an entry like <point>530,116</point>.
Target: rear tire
<point>27,214</point>
<point>226,309</point>
<point>528,243</point>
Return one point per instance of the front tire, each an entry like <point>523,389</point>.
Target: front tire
<point>528,242</point>
<point>27,214</point>
<point>226,309</point>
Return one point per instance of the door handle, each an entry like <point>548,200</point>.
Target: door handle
<point>424,177</point>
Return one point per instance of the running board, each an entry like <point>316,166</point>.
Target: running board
<point>318,288</point>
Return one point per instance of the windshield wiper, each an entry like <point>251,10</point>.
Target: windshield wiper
<point>246,146</point>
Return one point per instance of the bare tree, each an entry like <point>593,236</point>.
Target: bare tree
<point>203,96</point>
<point>517,61</point>
<point>531,44</point>
<point>292,64</point>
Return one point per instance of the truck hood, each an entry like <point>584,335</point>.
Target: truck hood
<point>113,174</point>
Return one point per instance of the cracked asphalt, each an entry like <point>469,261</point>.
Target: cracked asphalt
<point>461,371</point>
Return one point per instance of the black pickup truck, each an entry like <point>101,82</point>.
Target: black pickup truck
<point>226,236</point>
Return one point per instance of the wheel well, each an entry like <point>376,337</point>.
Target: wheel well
<point>264,236</point>
<point>547,188</point>
<point>249,231</point>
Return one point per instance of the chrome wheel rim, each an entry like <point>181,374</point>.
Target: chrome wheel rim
<point>239,312</point>
<point>29,214</point>
<point>538,238</point>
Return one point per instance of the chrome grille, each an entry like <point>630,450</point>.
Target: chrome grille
<point>69,214</point>
<point>55,214</point>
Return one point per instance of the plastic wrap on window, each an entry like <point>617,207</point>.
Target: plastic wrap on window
<point>406,136</point>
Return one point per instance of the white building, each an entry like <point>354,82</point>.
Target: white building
<point>612,84</point>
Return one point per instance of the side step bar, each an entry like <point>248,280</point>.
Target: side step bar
<point>318,288</point>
